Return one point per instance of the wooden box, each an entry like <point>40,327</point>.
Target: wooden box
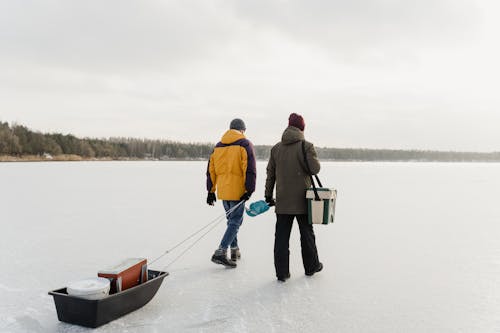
<point>126,274</point>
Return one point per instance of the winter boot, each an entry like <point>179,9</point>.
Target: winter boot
<point>220,257</point>
<point>235,253</point>
<point>318,269</point>
<point>283,278</point>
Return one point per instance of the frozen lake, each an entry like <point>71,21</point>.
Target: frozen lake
<point>415,248</point>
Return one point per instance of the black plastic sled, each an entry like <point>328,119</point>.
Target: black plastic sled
<point>94,313</point>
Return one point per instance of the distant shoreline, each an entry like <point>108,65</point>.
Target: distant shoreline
<point>77,158</point>
<point>20,144</point>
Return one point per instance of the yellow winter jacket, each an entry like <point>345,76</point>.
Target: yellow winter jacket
<point>231,169</point>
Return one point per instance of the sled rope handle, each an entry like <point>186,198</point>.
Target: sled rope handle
<point>212,223</point>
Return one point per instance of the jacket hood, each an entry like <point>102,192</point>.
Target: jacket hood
<point>232,136</point>
<point>291,135</point>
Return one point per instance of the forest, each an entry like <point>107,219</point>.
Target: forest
<point>21,143</point>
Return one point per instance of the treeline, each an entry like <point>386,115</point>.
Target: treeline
<point>345,154</point>
<point>19,141</point>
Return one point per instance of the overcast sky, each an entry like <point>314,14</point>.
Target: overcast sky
<point>363,73</point>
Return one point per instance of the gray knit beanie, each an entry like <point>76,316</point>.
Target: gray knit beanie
<point>237,124</point>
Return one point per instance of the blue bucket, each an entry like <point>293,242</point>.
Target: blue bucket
<point>257,208</point>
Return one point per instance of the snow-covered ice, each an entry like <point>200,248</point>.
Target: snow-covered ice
<point>414,248</point>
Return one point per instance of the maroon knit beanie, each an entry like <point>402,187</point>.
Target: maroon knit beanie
<point>296,120</point>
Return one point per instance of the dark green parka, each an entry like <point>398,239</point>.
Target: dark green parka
<point>286,168</point>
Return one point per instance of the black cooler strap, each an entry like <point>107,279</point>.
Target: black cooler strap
<point>316,196</point>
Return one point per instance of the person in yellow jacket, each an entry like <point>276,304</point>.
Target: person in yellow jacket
<point>231,172</point>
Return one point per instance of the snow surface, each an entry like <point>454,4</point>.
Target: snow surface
<point>415,248</point>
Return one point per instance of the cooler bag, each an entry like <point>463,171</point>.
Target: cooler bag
<point>321,211</point>
<point>320,200</point>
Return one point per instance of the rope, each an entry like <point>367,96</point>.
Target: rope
<point>214,223</point>
<point>183,252</point>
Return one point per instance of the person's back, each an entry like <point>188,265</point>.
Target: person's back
<point>229,165</point>
<point>292,180</point>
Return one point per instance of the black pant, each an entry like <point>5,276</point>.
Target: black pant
<point>284,224</point>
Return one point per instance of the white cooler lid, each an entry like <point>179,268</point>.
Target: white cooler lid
<point>88,286</point>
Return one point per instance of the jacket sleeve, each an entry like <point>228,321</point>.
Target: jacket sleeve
<point>211,175</point>
<point>271,175</point>
<point>312,159</point>
<point>251,169</point>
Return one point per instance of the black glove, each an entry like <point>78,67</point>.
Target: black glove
<point>270,201</point>
<point>245,196</point>
<point>211,198</point>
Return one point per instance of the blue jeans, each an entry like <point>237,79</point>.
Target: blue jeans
<point>234,220</point>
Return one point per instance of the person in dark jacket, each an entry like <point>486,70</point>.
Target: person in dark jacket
<point>231,172</point>
<point>287,170</point>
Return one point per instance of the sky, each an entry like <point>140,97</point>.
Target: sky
<point>363,73</point>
